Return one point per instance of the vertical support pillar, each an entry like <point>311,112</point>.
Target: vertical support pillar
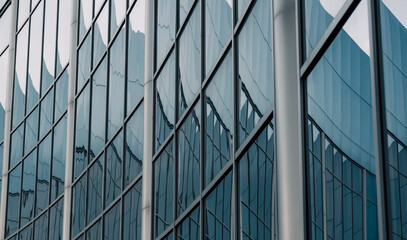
<point>289,132</point>
<point>7,122</point>
<point>147,189</point>
<point>70,127</point>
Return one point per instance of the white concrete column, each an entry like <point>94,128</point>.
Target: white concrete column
<point>147,186</point>
<point>7,122</point>
<point>290,191</point>
<point>70,127</point>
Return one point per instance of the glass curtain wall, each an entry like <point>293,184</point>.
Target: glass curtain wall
<point>213,134</point>
<point>37,149</point>
<point>108,154</point>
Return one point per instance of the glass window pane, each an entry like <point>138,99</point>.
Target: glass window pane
<point>31,131</point>
<point>84,62</point>
<point>34,69</point>
<point>318,15</point>
<point>98,115</point>
<point>165,102</point>
<point>16,148</point>
<point>58,159</point>
<point>132,213</point>
<point>165,28</point>
<point>56,216</point>
<point>48,58</point>
<point>95,232</point>
<point>134,146</point>
<point>43,174</point>
<point>255,68</point>
<point>113,175</point>
<point>27,233</point>
<point>78,206</point>
<point>41,227</point>
<point>184,8</point>
<point>23,12</point>
<point>217,210</point>
<point>81,132</point>
<point>1,158</point>
<point>118,11</point>
<point>61,94</point>
<point>13,201</point>
<point>135,55</point>
<point>3,90</point>
<point>20,76</point>
<point>5,25</point>
<point>371,221</point>
<point>189,159</point>
<point>100,33</point>
<point>219,120</point>
<point>116,83</point>
<point>64,27</point>
<point>112,223</point>
<point>85,17</point>
<point>95,189</point>
<point>98,4</point>
<point>163,190</point>
<point>189,228</point>
<point>46,109</point>
<point>218,29</point>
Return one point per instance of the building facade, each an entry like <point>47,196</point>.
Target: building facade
<point>203,119</point>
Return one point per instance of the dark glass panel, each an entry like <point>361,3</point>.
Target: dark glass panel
<point>338,208</point>
<point>165,27</point>
<point>256,186</point>
<point>31,131</point>
<point>78,206</point>
<point>95,184</point>
<point>371,221</point>
<point>134,146</point>
<point>84,62</point>
<point>219,120</point>
<point>218,29</point>
<point>132,213</point>
<point>27,233</point>
<point>329,190</point>
<point>347,213</point>
<point>64,26</point>
<point>43,174</point>
<point>81,132</point>
<point>113,175</point>
<point>189,159</point>
<point>112,218</point>
<point>164,190</point>
<point>116,83</point>
<point>95,232</point>
<point>56,216</point>
<point>357,183</point>
<point>190,61</point>
<point>395,202</point>
<point>58,159</point>
<point>329,156</point>
<point>28,188</point>
<point>98,115</point>
<point>61,94</point>
<point>48,57</point>
<point>85,17</point>
<point>371,193</point>
<point>316,143</point>
<point>46,109</point>
<point>189,228</point>
<point>41,227</point>
<point>16,148</point>
<point>255,68</point>
<point>218,211</point>
<point>13,201</point>
<point>20,76</point>
<point>165,101</point>
<point>135,55</point>
<point>357,217</point>
<point>117,13</point>
<point>100,35</point>
<point>318,192</point>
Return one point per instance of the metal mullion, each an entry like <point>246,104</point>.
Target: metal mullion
<point>165,233</point>
<point>188,110</point>
<point>185,214</point>
<point>182,26</point>
<point>239,23</point>
<point>135,109</point>
<point>175,153</point>
<point>217,179</point>
<point>5,7</point>
<point>202,124</point>
<point>164,145</point>
<point>323,174</point>
<point>164,61</point>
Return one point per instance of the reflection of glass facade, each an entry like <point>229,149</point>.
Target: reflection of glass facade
<point>159,119</point>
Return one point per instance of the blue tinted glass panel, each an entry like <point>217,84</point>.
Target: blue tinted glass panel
<point>46,107</point>
<point>218,212</point>
<point>132,213</point>
<point>116,83</point>
<point>165,27</point>
<point>241,6</point>
<point>64,26</point>
<point>113,175</point>
<point>85,17</point>
<point>117,13</point>
<point>84,62</point>
<point>189,159</point>
<point>371,221</point>
<point>16,148</point>
<point>184,8</point>
<point>78,206</point>
<point>27,233</point>
<point>41,227</point>
<point>95,184</point>
<point>81,132</point>
<point>218,29</point>
<point>189,228</point>
<point>61,94</point>
<point>48,57</point>
<point>357,217</point>
<point>56,215</point>
<point>165,101</point>
<point>219,120</point>
<point>28,188</point>
<point>43,174</point>
<point>255,68</point>
<point>13,201</point>
<point>98,115</point>
<point>58,159</point>
<point>163,190</point>
<point>134,146</point>
<point>135,55</point>
<point>100,33</point>
<point>95,232</point>
<point>31,131</point>
<point>112,223</point>
<point>190,60</point>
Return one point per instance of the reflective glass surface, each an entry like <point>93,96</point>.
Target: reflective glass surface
<point>165,28</point>
<point>100,34</point>
<point>27,233</point>
<point>27,188</point>
<point>56,215</point>
<point>85,17</point>
<point>164,190</point>
<point>113,175</point>
<point>48,57</point>
<point>189,159</point>
<point>241,6</point>
<point>31,131</point>
<point>132,213</point>
<point>23,12</point>
<point>84,62</point>
<point>184,8</point>
<point>255,68</point>
<point>190,60</point>
<point>3,91</point>
<point>16,148</point>
<point>43,174</point>
<point>116,83</point>
<point>78,206</point>
<point>189,228</point>
<point>94,192</point>
<point>41,227</point>
<point>117,13</point>
<point>112,223</point>
<point>95,232</point>
<point>46,107</point>
<point>58,159</point>
<point>81,132</point>
<point>61,94</point>
<point>218,29</point>
<point>219,120</point>
<point>165,101</point>
<point>13,200</point>
<point>5,25</point>
<point>64,27</point>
